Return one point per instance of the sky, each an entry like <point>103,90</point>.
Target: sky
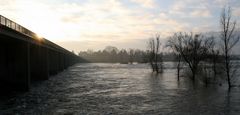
<point>93,24</point>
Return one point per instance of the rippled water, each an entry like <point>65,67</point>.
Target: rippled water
<point>122,89</point>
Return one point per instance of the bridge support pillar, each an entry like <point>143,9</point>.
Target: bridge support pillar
<point>14,65</point>
<point>61,61</point>
<point>22,66</point>
<point>39,63</point>
<point>65,61</point>
<point>53,58</point>
<point>18,66</point>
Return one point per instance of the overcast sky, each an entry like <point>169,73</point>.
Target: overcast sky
<point>93,24</point>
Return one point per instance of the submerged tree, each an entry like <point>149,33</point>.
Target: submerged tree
<point>214,56</point>
<point>155,55</point>
<point>174,44</point>
<point>193,48</point>
<point>229,40</point>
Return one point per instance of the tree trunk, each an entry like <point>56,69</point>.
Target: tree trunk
<point>227,59</point>
<point>194,70</point>
<point>178,68</point>
<point>214,69</point>
<point>228,75</point>
<point>193,75</point>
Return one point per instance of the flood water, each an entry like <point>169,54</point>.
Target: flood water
<point>122,89</point>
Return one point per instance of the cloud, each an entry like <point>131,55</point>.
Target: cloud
<point>166,25</point>
<point>107,21</point>
<point>99,21</point>
<point>195,8</point>
<point>221,3</point>
<point>201,13</point>
<point>145,3</point>
<point>236,12</point>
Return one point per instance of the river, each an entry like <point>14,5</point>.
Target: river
<point>99,88</point>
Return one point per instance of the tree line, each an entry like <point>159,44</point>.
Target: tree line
<point>112,54</point>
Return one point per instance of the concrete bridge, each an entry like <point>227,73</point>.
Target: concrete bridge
<point>25,57</point>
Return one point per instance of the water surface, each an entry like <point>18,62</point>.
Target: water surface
<point>122,89</point>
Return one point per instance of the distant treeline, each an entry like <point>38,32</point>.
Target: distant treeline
<point>112,54</point>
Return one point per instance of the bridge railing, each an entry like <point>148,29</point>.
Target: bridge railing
<point>12,25</point>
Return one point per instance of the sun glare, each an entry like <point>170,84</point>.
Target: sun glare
<point>39,36</point>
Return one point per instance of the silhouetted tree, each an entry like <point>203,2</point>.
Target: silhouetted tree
<point>123,56</point>
<point>192,48</point>
<point>229,40</point>
<point>174,44</point>
<point>214,56</point>
<point>155,55</point>
<point>109,49</point>
<point>131,56</point>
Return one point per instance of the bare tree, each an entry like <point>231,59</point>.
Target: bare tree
<point>229,40</point>
<point>192,48</point>
<point>155,55</point>
<point>151,46</point>
<point>174,44</point>
<point>214,56</point>
<point>131,56</point>
<point>179,67</point>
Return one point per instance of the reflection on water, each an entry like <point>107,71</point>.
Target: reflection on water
<point>122,89</point>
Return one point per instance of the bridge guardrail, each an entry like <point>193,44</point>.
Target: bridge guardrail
<point>12,25</point>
